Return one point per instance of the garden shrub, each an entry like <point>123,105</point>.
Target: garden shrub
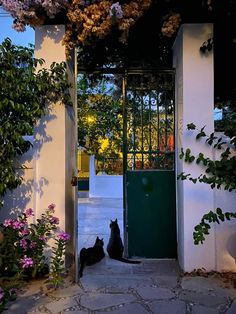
<point>23,246</point>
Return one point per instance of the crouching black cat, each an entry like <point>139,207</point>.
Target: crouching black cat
<point>91,255</point>
<point>115,246</point>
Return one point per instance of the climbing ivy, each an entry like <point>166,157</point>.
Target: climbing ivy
<point>219,174</point>
<point>24,97</point>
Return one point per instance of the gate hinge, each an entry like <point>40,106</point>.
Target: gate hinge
<point>126,228</point>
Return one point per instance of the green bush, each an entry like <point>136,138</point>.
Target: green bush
<point>26,92</point>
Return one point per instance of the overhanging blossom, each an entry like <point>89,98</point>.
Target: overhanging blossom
<point>86,20</point>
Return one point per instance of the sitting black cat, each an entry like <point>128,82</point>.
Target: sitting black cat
<point>115,246</point>
<point>91,255</point>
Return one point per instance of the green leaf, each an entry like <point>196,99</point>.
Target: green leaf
<point>200,134</point>
<point>191,126</point>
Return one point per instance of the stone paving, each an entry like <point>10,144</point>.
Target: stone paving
<point>154,286</point>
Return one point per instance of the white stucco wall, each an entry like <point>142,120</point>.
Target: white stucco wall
<point>22,197</point>
<point>56,140</point>
<point>107,186</point>
<point>194,103</point>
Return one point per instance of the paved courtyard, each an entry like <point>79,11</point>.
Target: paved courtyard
<point>94,217</point>
<point>154,286</point>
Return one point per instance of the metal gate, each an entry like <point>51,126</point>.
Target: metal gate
<point>149,175</point>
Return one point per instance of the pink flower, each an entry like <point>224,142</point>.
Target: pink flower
<point>17,224</point>
<point>23,244</point>
<point>24,232</point>
<point>26,262</point>
<point>54,220</point>
<point>29,212</point>
<point>51,207</point>
<point>63,236</point>
<point>8,222</point>
<point>32,245</point>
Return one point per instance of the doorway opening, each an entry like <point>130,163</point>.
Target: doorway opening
<point>100,142</point>
<point>126,124</point>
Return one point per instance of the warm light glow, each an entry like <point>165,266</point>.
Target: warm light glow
<point>91,119</point>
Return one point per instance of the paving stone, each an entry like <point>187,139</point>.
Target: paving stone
<point>158,267</point>
<point>199,283</point>
<point>128,309</point>
<point>205,299</point>
<point>97,301</point>
<point>23,305</point>
<point>95,282</point>
<point>61,305</point>
<point>205,284</point>
<point>232,309</point>
<point>150,293</point>
<point>66,292</point>
<point>198,309</point>
<point>214,285</point>
<point>168,307</point>
<point>166,281</point>
<point>37,311</point>
<point>76,311</point>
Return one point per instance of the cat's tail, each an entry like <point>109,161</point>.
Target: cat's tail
<point>129,261</point>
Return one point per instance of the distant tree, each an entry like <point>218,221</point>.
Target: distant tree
<point>99,118</point>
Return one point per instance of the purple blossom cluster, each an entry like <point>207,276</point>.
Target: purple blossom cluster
<point>116,10</point>
<point>15,224</point>
<point>26,262</point>
<point>63,236</point>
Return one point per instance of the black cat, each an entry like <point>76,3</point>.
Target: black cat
<point>91,255</point>
<point>115,246</point>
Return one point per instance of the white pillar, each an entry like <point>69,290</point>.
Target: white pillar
<point>55,140</point>
<point>194,103</point>
<point>92,175</point>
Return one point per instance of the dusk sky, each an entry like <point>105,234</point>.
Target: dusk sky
<point>6,30</point>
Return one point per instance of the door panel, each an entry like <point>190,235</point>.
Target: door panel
<point>149,176</point>
<point>151,214</point>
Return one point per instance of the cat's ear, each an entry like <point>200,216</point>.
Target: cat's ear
<point>116,220</point>
<point>97,238</point>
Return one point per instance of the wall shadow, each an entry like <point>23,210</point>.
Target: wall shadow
<point>231,247</point>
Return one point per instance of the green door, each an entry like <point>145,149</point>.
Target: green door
<point>149,175</point>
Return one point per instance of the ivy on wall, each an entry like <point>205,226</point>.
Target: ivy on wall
<point>219,174</point>
<point>24,97</point>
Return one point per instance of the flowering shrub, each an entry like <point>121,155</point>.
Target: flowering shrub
<point>171,24</point>
<point>22,246</point>
<point>33,12</point>
<point>92,20</point>
<point>86,19</point>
